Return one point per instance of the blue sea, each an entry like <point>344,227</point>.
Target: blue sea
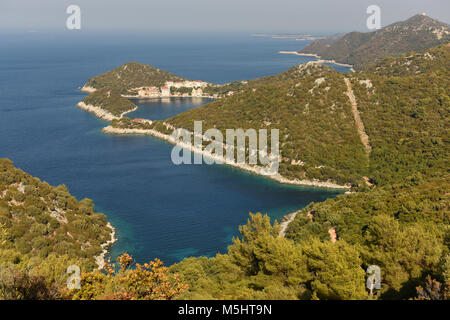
<point>159,209</point>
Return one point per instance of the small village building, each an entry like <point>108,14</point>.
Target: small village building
<point>165,91</point>
<point>148,91</point>
<point>140,120</point>
<point>198,92</point>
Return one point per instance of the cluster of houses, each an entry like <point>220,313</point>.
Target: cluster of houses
<point>166,92</point>
<point>187,84</point>
<point>143,121</point>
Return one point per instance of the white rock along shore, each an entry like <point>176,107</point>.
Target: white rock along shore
<point>254,169</point>
<point>88,89</point>
<point>102,113</point>
<point>319,59</point>
<point>100,259</point>
<point>97,111</point>
<point>287,219</point>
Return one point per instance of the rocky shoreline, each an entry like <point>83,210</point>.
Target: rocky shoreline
<point>97,111</point>
<point>100,259</point>
<point>253,169</point>
<point>87,89</point>
<point>300,54</point>
<point>102,113</point>
<point>285,221</point>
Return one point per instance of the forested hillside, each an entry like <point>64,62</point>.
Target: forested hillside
<point>399,218</point>
<point>407,116</point>
<point>364,49</point>
<point>414,63</point>
<point>396,216</point>
<point>110,100</point>
<point>43,229</point>
<point>309,106</point>
<point>132,75</point>
<point>404,229</point>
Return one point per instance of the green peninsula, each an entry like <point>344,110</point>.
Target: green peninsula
<point>132,75</point>
<point>110,100</point>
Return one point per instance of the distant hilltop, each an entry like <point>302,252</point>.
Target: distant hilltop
<point>419,32</point>
<point>137,79</point>
<point>130,76</point>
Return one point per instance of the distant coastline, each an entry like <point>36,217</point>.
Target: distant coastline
<point>100,259</point>
<point>319,59</point>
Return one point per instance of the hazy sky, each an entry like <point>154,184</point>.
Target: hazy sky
<point>213,15</point>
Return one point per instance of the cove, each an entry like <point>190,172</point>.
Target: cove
<point>159,209</point>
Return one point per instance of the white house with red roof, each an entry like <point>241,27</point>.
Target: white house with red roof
<point>165,91</point>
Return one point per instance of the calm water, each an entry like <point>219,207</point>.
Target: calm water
<point>160,210</point>
<point>164,108</point>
